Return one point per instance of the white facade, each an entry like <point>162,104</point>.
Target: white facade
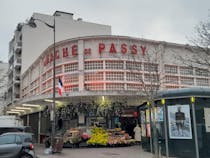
<point>28,43</point>
<point>3,85</point>
<point>36,40</point>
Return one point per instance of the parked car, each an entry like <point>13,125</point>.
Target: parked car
<point>7,129</point>
<point>17,145</point>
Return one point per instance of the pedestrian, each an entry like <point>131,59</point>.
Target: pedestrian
<point>137,135</point>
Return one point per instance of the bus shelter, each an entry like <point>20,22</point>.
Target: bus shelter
<point>182,122</point>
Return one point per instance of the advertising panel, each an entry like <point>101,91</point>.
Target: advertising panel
<point>207,119</point>
<point>179,122</point>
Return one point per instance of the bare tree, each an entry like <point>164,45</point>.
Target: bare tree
<point>151,82</point>
<point>200,49</point>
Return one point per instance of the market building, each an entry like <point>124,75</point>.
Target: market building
<point>104,77</point>
<point>24,50</point>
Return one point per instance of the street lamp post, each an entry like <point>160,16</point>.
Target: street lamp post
<point>163,102</point>
<point>52,118</point>
<point>192,100</point>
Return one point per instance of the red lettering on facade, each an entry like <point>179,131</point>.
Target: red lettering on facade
<point>134,49</point>
<point>101,47</point>
<point>112,49</point>
<point>65,52</point>
<point>47,59</point>
<point>74,50</point>
<point>124,48</point>
<point>143,49</point>
<point>57,54</point>
<point>51,57</point>
<point>87,51</point>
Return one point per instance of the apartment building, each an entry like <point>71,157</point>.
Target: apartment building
<point>28,43</point>
<point>3,85</point>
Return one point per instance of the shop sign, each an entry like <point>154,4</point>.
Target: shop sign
<point>124,48</point>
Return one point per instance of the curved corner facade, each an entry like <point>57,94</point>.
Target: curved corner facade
<point>111,66</point>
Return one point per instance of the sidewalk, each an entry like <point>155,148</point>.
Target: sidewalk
<point>116,152</point>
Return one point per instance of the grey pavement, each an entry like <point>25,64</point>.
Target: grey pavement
<point>109,152</point>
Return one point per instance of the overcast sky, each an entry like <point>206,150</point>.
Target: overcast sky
<point>162,20</point>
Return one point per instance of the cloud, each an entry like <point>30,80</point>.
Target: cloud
<point>163,20</point>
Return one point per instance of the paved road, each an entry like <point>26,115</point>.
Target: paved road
<point>117,152</point>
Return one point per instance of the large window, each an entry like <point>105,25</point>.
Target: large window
<point>49,73</point>
<point>92,65</point>
<point>171,69</point>
<point>132,65</point>
<point>202,82</point>
<point>94,86</point>
<point>114,86</point>
<point>58,70</point>
<point>44,77</point>
<point>71,67</point>
<point>114,64</point>
<point>71,78</point>
<point>202,72</point>
<point>71,88</point>
<point>44,86</point>
<point>152,78</point>
<point>171,80</point>
<point>172,87</point>
<point>114,76</point>
<point>187,81</point>
<point>186,71</point>
<point>150,67</point>
<point>49,84</point>
<point>94,76</point>
<point>137,77</point>
<point>134,87</point>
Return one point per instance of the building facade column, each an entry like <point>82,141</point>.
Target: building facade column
<point>81,64</point>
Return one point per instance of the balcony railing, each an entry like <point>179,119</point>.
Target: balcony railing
<point>18,62</point>
<point>19,44</point>
<point>18,47</point>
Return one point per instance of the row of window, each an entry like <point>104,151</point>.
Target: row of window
<point>115,65</point>
<point>70,79</point>
<point>134,77</point>
<point>186,81</point>
<point>149,67</point>
<point>35,83</point>
<point>119,86</point>
<point>171,69</point>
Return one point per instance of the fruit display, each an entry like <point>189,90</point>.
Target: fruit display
<point>99,136</point>
<point>110,137</point>
<point>71,136</point>
<point>118,137</point>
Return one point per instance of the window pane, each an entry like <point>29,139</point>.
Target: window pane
<point>171,69</point>
<point>7,139</point>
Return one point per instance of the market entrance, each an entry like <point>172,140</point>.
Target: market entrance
<point>128,124</point>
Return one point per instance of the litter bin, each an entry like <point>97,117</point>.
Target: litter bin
<point>57,145</point>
